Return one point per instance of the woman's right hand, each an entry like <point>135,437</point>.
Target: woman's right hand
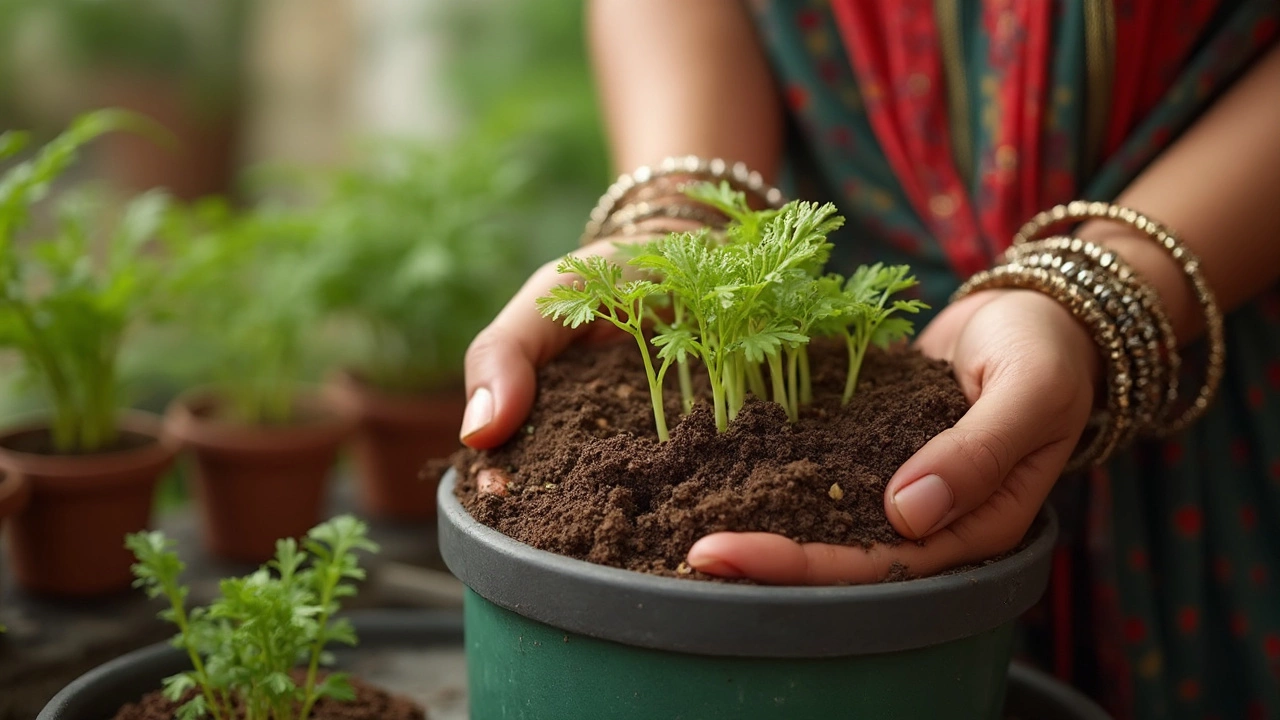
<point>503,360</point>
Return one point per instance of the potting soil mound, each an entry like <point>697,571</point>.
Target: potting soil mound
<point>587,477</point>
<point>370,703</point>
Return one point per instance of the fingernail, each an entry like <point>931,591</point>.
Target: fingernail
<point>479,412</point>
<point>924,503</point>
<point>713,566</point>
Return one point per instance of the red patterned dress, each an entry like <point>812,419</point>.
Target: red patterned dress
<point>938,127</point>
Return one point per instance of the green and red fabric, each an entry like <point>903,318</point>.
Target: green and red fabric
<point>1171,585</point>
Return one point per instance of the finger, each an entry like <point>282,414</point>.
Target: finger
<point>502,362</point>
<point>776,560</point>
<point>1014,421</point>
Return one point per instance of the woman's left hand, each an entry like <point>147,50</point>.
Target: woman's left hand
<point>1029,370</point>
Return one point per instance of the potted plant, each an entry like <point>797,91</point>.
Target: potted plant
<point>259,651</point>
<point>416,249</point>
<point>66,305</point>
<point>796,407</point>
<point>262,444</point>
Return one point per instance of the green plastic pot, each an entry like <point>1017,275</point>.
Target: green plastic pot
<point>548,636</point>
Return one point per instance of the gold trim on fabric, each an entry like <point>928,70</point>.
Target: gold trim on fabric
<point>951,42</point>
<point>1100,70</point>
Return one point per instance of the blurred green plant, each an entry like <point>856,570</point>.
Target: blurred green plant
<point>245,286</point>
<point>200,44</point>
<point>418,248</point>
<point>65,303</point>
<point>523,74</point>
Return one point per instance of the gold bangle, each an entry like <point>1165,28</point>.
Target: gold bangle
<point>1190,263</point>
<point>1114,423</point>
<point>1136,309</point>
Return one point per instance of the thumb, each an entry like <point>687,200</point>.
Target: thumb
<point>1012,423</point>
<point>502,361</point>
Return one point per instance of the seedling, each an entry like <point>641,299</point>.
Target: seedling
<point>743,305</point>
<point>243,645</point>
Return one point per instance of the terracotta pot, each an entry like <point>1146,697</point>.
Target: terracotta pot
<point>396,436</point>
<point>15,490</point>
<point>257,484</point>
<point>69,540</point>
<point>201,159</point>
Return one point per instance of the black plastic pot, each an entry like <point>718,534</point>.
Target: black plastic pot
<point>553,637</point>
<point>98,694</point>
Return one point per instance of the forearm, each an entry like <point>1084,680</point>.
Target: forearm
<point>681,77</point>
<point>1218,188</point>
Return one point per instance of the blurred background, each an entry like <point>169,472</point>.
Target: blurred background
<point>316,103</point>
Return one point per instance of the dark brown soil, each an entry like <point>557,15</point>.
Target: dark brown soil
<point>587,477</point>
<point>371,703</point>
<point>40,442</point>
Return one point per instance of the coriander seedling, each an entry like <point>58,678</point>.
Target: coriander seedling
<point>243,646</point>
<point>742,304</point>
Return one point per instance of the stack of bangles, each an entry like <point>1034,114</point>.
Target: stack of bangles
<point>643,200</point>
<point>1122,311</point>
<point>1124,315</point>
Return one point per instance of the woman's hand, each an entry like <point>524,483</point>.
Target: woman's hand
<point>1029,370</point>
<point>503,360</point>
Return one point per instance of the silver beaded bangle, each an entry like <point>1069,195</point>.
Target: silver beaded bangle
<point>737,174</point>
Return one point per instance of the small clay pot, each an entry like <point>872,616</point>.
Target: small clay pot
<point>396,436</point>
<point>69,540</point>
<point>14,493</point>
<point>257,484</point>
<point>15,490</point>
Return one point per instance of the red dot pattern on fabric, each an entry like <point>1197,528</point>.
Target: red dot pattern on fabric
<point>1271,646</point>
<point>1188,620</point>
<point>1189,520</point>
<point>1256,397</point>
<point>1138,559</point>
<point>1135,630</point>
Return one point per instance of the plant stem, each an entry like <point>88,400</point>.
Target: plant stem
<point>686,386</point>
<point>779,384</point>
<point>655,387</point>
<point>806,381</point>
<point>755,380</point>
<point>857,348</point>
<point>793,391</point>
<point>717,396</point>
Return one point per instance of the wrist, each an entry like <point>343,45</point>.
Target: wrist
<point>1157,268</point>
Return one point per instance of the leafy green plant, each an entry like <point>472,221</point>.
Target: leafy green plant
<point>65,301</point>
<point>744,306</point>
<point>418,246</point>
<point>262,626</point>
<point>246,286</point>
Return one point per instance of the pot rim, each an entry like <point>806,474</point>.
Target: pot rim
<point>183,422</point>
<point>375,628</point>
<point>725,619</point>
<point>39,467</point>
